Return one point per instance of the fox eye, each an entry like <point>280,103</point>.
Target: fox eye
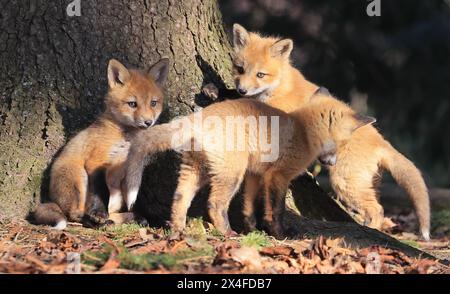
<point>153,103</point>
<point>240,69</point>
<point>132,104</point>
<point>261,75</point>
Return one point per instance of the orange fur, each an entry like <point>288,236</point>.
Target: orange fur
<point>304,134</point>
<point>359,161</point>
<point>134,102</point>
<point>286,87</point>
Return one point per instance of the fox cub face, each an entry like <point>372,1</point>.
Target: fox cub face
<point>135,98</point>
<point>337,121</point>
<point>258,62</point>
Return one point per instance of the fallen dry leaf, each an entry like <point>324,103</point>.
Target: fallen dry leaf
<point>146,235</point>
<point>112,263</point>
<point>37,249</point>
<point>247,256</point>
<point>277,250</point>
<point>155,247</point>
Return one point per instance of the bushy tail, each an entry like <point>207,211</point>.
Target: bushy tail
<point>50,214</point>
<point>409,178</point>
<point>157,139</point>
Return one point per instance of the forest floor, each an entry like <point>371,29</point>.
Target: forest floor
<point>26,248</point>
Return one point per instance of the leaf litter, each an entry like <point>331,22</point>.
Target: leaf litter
<point>29,249</point>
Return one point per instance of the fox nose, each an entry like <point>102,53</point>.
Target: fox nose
<point>148,123</point>
<point>241,90</point>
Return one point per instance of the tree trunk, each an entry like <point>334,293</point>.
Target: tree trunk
<point>53,75</point>
<point>53,79</point>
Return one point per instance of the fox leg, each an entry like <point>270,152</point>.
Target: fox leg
<point>68,189</point>
<point>275,188</point>
<point>222,191</point>
<point>364,202</point>
<point>211,91</point>
<point>372,210</point>
<point>189,182</point>
<point>251,191</point>
<point>96,212</point>
<point>114,177</point>
<point>116,185</point>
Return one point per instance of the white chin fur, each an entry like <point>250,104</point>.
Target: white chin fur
<point>257,92</point>
<point>265,92</point>
<point>61,225</point>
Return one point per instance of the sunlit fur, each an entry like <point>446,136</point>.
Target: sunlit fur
<point>304,135</point>
<point>141,90</point>
<point>281,79</point>
<point>356,174</point>
<point>101,149</point>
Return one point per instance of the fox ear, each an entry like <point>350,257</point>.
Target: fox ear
<point>282,48</point>
<point>159,71</point>
<point>118,74</point>
<point>322,91</point>
<point>362,120</point>
<point>240,36</point>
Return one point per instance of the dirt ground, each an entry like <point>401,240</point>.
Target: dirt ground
<point>25,248</point>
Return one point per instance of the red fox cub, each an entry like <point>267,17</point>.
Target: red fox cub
<point>133,103</point>
<point>295,140</point>
<point>262,69</point>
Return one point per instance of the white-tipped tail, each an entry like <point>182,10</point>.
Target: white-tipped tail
<point>61,225</point>
<point>409,178</point>
<point>50,214</point>
<point>131,198</point>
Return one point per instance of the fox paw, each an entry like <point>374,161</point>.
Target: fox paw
<point>142,221</point>
<point>230,233</point>
<point>249,224</point>
<point>176,235</point>
<point>275,230</point>
<point>96,219</point>
<point>211,91</point>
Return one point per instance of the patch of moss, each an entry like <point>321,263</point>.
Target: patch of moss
<point>411,243</point>
<point>255,239</point>
<point>143,262</point>
<point>119,232</point>
<point>196,229</point>
<point>82,231</point>
<point>185,254</point>
<point>216,233</point>
<point>167,232</point>
<point>96,258</point>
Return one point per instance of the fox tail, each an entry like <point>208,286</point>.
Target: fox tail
<point>410,179</point>
<point>50,214</point>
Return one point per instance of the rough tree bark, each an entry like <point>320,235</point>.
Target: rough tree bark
<point>53,78</point>
<point>53,70</point>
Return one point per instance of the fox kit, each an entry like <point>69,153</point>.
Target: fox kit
<point>262,69</point>
<point>133,103</point>
<point>303,135</point>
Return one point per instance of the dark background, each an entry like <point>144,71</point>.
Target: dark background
<point>395,67</point>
